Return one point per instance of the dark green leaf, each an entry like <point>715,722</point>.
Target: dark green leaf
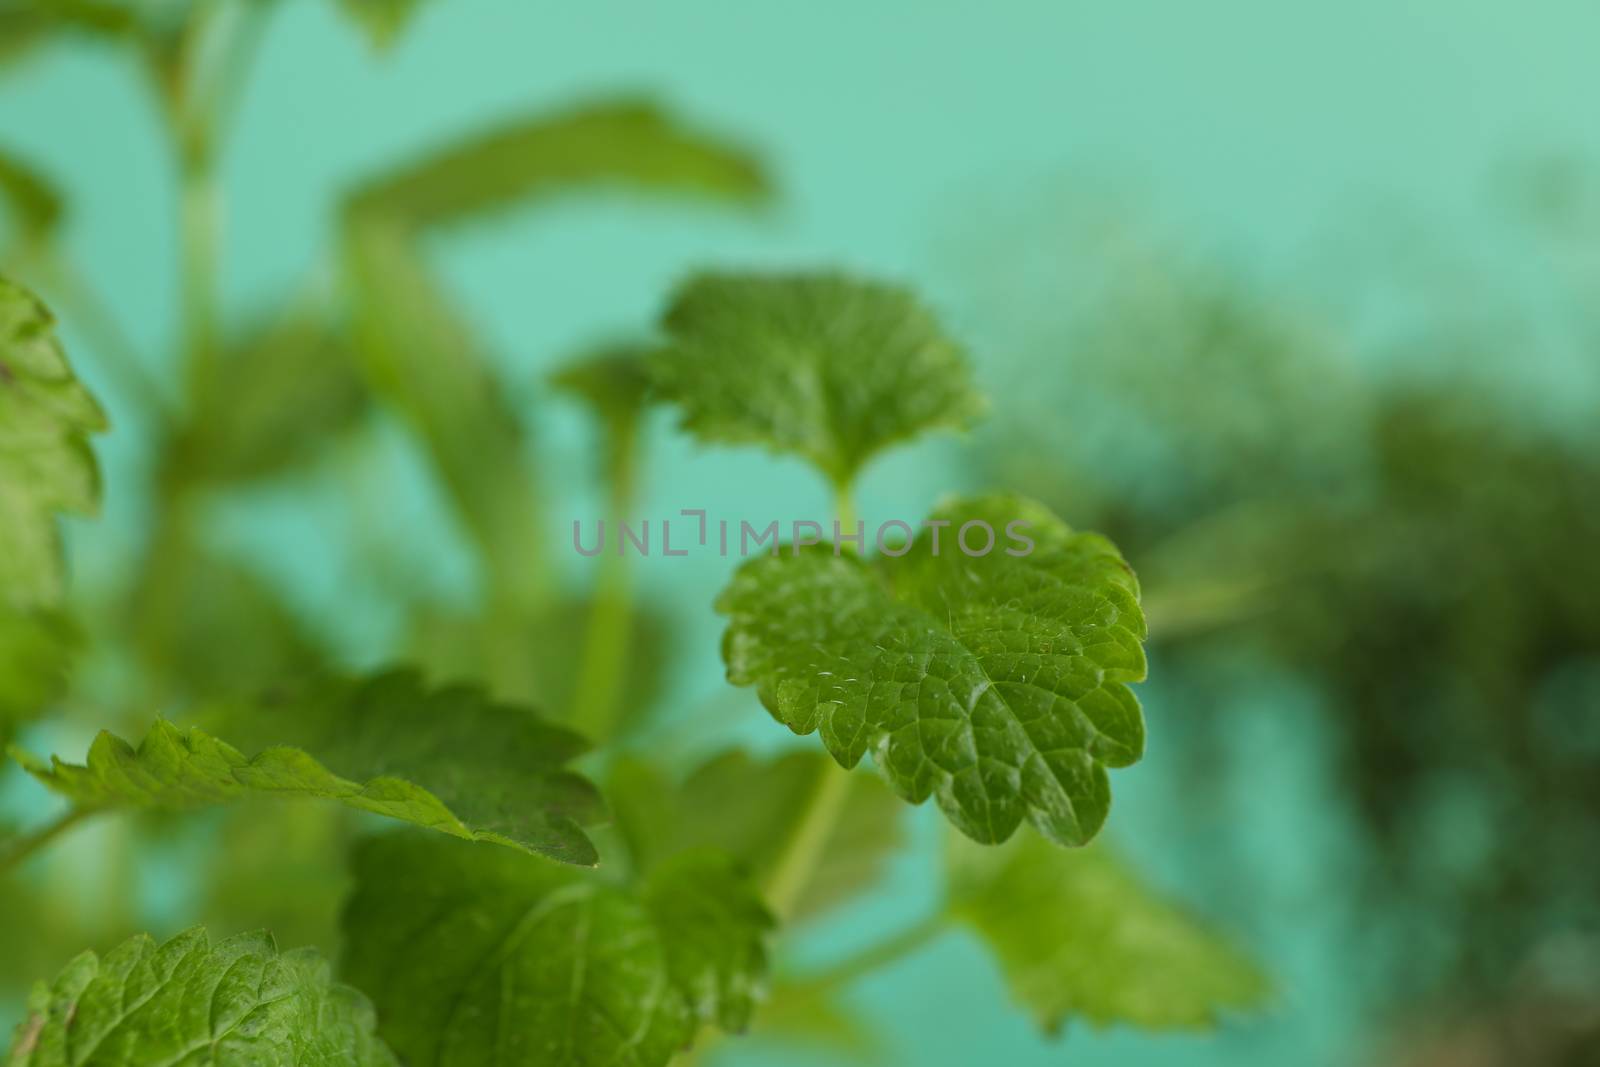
<point>383,20</point>
<point>632,144</point>
<point>482,958</point>
<point>34,204</point>
<point>241,1003</point>
<point>751,808</point>
<point>36,649</point>
<point>46,465</point>
<point>1078,935</point>
<point>824,366</point>
<point>447,759</point>
<point>279,396</point>
<point>995,683</point>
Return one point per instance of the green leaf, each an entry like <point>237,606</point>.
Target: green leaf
<point>419,356</point>
<point>36,650</point>
<point>279,395</point>
<point>1079,935</point>
<point>481,958</point>
<point>46,465</point>
<point>383,20</point>
<point>34,203</point>
<point>994,683</point>
<point>629,143</point>
<point>827,367</point>
<point>241,1003</point>
<point>552,646</point>
<point>447,759</point>
<point>614,382</point>
<point>751,807</point>
<point>26,23</point>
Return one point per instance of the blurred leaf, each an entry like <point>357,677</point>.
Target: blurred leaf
<point>282,867</point>
<point>453,648</point>
<point>241,1003</point>
<point>614,383</point>
<point>1078,935</point>
<point>206,626</point>
<point>33,202</point>
<point>46,465</point>
<point>279,396</point>
<point>447,759</point>
<point>482,956</point>
<point>632,144</point>
<point>996,683</point>
<point>751,808</point>
<point>383,20</point>
<point>36,650</point>
<point>25,23</point>
<point>824,366</point>
<point>420,358</point>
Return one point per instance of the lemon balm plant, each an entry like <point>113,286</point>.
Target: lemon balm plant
<point>522,886</point>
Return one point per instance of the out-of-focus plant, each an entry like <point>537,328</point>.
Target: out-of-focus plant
<point>1410,528</point>
<point>996,682</point>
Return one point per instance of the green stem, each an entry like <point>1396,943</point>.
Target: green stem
<point>844,509</point>
<point>809,841</point>
<point>15,852</point>
<point>606,640</point>
<point>198,238</point>
<point>878,956</point>
<point>804,851</point>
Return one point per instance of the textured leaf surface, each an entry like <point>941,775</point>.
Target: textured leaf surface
<point>996,684</point>
<point>185,1003</point>
<point>1078,935</point>
<point>824,366</point>
<point>46,465</point>
<point>483,958</point>
<point>750,807</point>
<point>447,759</point>
<point>632,144</point>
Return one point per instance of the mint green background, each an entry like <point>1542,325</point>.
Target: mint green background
<point>1263,133</point>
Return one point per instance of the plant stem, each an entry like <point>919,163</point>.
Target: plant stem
<point>844,509</point>
<point>606,640</point>
<point>198,240</point>
<point>21,848</point>
<point>799,861</point>
<point>876,957</point>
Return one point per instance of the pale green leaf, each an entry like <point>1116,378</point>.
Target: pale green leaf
<point>751,808</point>
<point>995,683</point>
<point>824,366</point>
<point>1078,935</point>
<point>483,958</point>
<point>46,465</point>
<point>447,759</point>
<point>631,144</point>
<point>186,1003</point>
<point>383,20</point>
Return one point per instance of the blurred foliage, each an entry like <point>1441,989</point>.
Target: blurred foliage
<point>1415,536</point>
